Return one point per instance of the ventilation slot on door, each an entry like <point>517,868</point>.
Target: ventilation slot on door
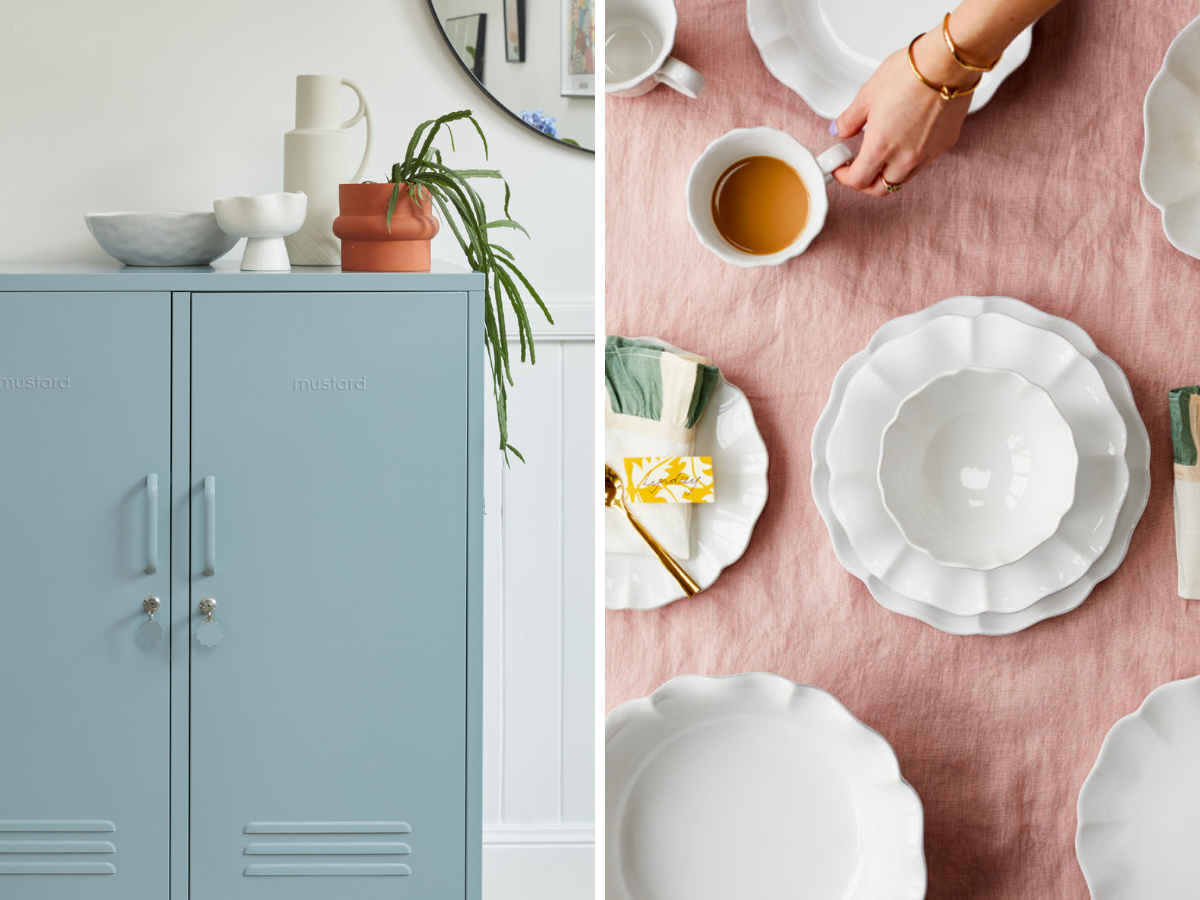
<point>327,848</point>
<point>57,867</point>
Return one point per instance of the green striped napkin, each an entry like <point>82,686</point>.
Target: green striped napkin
<point>654,398</point>
<point>1185,436</point>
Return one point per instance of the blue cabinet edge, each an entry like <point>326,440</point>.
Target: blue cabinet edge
<point>225,276</point>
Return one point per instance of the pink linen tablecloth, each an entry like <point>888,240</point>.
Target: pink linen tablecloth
<point>1039,201</point>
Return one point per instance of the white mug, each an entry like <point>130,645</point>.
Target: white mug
<point>638,39</point>
<point>815,171</point>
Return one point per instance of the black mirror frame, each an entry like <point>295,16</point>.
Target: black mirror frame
<point>490,95</point>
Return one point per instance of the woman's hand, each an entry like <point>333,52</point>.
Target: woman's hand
<point>907,124</point>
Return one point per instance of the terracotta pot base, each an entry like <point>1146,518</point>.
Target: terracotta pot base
<point>369,244</point>
<point>385,256</point>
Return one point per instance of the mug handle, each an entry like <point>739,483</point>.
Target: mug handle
<point>681,77</point>
<point>834,158</point>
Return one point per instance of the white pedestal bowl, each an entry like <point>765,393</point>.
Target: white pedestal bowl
<point>264,220</point>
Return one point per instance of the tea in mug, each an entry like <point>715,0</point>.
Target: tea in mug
<point>760,205</point>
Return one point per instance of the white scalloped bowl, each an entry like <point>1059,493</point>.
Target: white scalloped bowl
<point>825,50</point>
<point>1137,819</point>
<point>977,467</point>
<point>753,786</point>
<point>1170,172</point>
<point>1132,452</point>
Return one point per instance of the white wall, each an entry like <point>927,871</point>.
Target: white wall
<point>151,105</point>
<point>537,82</point>
<point>148,105</point>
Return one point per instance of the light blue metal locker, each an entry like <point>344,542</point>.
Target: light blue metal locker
<point>328,745</point>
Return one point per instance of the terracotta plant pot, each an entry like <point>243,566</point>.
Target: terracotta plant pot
<point>367,245</point>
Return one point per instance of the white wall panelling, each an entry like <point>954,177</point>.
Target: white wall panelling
<point>539,577</point>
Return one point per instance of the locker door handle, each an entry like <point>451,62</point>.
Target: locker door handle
<point>210,525</point>
<point>151,524</point>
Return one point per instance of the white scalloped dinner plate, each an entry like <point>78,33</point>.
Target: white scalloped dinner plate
<point>1137,457</point>
<point>992,341</point>
<point>825,50</point>
<point>721,530</point>
<point>1171,156</point>
<point>751,786</point>
<point>1139,809</point>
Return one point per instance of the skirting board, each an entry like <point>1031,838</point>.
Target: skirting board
<point>539,863</point>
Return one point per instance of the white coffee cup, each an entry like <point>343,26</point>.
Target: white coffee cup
<point>638,38</point>
<point>815,171</point>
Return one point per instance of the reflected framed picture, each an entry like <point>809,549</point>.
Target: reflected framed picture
<point>514,30</point>
<point>579,48</point>
<point>467,35</point>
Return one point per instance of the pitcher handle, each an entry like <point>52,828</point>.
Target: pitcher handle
<point>364,110</point>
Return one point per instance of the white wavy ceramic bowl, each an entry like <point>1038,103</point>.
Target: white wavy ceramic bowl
<point>274,215</point>
<point>825,50</point>
<point>751,786</point>
<point>1137,811</point>
<point>1136,457</point>
<point>977,467</point>
<point>1170,173</point>
<point>160,239</point>
<point>888,371</point>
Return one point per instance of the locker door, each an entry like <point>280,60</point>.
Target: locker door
<point>328,723</point>
<point>85,418</point>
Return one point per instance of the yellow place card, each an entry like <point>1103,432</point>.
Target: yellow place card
<point>669,479</point>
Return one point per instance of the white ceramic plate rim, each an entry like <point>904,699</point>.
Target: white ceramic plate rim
<point>1137,455</point>
<point>870,749</point>
<point>1152,93</point>
<point>1046,529</point>
<point>833,100</point>
<point>1046,358</point>
<point>635,581</point>
<point>1091,820</point>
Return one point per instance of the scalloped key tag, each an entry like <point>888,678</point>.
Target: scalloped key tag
<point>209,633</point>
<point>151,632</point>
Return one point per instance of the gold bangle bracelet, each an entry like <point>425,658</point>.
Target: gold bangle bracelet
<point>946,91</point>
<point>958,56</point>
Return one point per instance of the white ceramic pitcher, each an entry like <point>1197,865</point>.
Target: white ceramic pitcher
<point>316,159</point>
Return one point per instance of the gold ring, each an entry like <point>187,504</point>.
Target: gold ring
<point>888,186</point>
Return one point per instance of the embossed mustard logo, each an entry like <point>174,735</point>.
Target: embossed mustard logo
<point>330,384</point>
<point>36,383</point>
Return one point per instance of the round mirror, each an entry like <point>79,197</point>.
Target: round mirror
<point>535,58</point>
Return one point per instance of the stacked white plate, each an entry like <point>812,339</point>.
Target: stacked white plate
<point>1057,372</point>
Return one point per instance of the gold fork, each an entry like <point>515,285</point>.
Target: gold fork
<point>614,495</point>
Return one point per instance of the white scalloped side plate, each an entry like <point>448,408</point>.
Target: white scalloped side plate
<point>721,530</point>
<point>1170,172</point>
<point>1137,456</point>
<point>751,786</point>
<point>805,48</point>
<point>1139,808</point>
<point>943,345</point>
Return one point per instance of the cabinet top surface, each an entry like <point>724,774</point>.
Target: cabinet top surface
<point>224,275</point>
